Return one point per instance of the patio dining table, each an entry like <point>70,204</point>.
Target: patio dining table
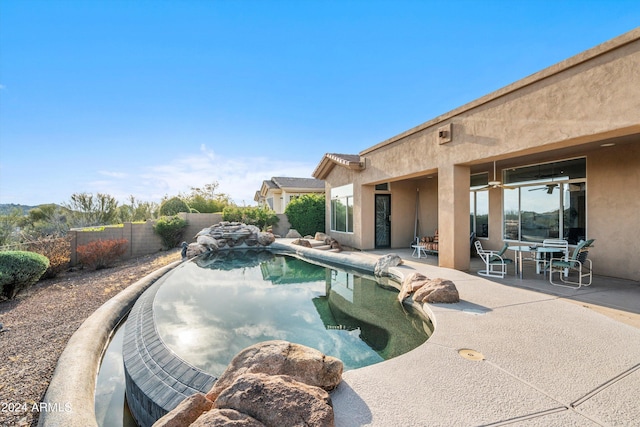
<point>538,250</point>
<point>518,249</point>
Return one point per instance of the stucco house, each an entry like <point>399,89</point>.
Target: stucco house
<point>554,155</point>
<point>277,192</point>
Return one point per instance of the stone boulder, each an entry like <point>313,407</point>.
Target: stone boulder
<point>227,235</point>
<point>226,418</point>
<point>302,363</point>
<point>265,239</point>
<point>208,242</point>
<point>321,237</point>
<point>384,263</point>
<point>195,249</point>
<point>302,242</point>
<point>412,283</point>
<point>277,401</point>
<point>437,291</point>
<point>293,234</point>
<point>188,411</point>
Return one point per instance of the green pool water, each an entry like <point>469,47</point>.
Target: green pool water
<point>208,310</point>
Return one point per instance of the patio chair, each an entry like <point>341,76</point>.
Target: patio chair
<point>577,263</point>
<point>495,263</point>
<point>544,254</point>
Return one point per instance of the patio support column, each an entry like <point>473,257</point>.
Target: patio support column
<point>453,217</point>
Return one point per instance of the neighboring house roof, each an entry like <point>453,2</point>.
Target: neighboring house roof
<point>291,184</point>
<point>349,161</point>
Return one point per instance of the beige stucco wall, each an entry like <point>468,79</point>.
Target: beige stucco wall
<point>561,112</point>
<point>613,209</point>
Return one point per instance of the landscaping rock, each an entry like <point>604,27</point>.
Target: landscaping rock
<point>265,239</point>
<point>412,283</point>
<point>186,412</point>
<point>277,401</point>
<point>293,234</point>
<point>321,237</point>
<point>302,363</point>
<point>437,291</point>
<point>226,418</point>
<point>208,242</point>
<point>195,249</point>
<point>227,235</point>
<point>384,263</point>
<point>302,242</point>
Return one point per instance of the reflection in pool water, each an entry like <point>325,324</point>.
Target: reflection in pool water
<point>209,310</point>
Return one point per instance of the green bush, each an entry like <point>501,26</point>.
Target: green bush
<point>173,206</point>
<point>19,270</point>
<point>170,230</point>
<point>307,214</point>
<point>259,216</point>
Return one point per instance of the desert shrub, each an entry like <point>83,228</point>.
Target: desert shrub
<point>101,253</point>
<point>19,270</point>
<point>307,214</point>
<point>58,251</point>
<point>170,229</point>
<point>259,216</point>
<point>173,206</point>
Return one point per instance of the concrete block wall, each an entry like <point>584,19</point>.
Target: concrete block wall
<point>142,239</point>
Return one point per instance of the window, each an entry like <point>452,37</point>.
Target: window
<point>546,201</point>
<point>382,187</point>
<point>342,208</point>
<point>479,204</point>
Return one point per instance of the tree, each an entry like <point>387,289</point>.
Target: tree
<point>307,214</point>
<point>136,210</point>
<point>173,206</point>
<point>87,210</point>
<point>45,220</point>
<point>261,217</point>
<point>206,199</point>
<point>9,225</point>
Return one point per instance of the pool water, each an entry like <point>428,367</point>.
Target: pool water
<point>210,309</point>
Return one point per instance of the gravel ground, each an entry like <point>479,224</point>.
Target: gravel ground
<point>39,322</point>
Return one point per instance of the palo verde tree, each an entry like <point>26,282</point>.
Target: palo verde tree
<point>206,199</point>
<point>88,210</point>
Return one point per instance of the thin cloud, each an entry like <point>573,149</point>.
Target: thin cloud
<point>238,177</point>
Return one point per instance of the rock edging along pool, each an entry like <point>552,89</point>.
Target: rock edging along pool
<point>185,329</point>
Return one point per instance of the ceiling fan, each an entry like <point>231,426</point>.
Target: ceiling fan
<point>549,188</point>
<point>494,183</point>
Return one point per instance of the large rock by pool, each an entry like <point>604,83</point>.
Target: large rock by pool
<point>228,235</point>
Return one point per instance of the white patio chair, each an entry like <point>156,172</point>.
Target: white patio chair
<point>548,251</point>
<point>577,263</point>
<point>495,263</point>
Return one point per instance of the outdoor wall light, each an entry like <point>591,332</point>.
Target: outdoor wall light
<point>444,134</point>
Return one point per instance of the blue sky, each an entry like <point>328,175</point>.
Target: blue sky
<point>150,98</point>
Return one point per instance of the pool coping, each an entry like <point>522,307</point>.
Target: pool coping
<point>543,360</point>
<point>73,382</point>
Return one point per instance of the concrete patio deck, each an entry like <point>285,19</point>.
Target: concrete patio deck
<point>549,357</point>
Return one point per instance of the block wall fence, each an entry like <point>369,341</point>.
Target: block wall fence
<point>142,240</point>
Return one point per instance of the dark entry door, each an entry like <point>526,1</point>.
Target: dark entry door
<point>383,220</point>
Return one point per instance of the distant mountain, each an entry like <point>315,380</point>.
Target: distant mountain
<point>7,208</point>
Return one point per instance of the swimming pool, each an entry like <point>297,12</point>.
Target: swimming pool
<point>207,311</point>
<point>184,330</point>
